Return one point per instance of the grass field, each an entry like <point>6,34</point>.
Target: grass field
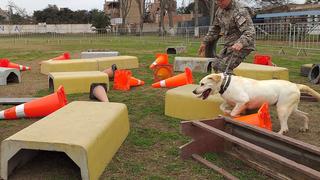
<point>151,151</point>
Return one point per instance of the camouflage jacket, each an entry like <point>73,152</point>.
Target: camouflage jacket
<point>235,24</point>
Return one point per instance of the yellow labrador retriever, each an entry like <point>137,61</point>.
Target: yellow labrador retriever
<point>244,93</point>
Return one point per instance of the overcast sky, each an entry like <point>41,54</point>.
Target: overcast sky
<point>31,5</point>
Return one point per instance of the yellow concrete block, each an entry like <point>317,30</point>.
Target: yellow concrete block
<point>122,62</point>
<point>90,133</point>
<point>68,65</point>
<point>181,103</point>
<point>261,72</point>
<point>90,64</point>
<point>76,82</point>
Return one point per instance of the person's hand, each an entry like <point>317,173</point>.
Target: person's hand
<point>237,46</point>
<point>202,49</point>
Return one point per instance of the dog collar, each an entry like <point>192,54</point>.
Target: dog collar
<point>225,83</point>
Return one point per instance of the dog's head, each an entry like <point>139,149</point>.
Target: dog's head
<point>208,85</point>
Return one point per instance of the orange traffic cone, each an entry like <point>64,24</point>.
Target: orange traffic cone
<point>121,80</point>
<point>161,72</point>
<point>136,82</point>
<point>177,80</point>
<point>37,108</point>
<point>261,119</point>
<point>6,63</point>
<point>161,59</point>
<point>64,56</point>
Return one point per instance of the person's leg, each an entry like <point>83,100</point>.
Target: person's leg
<point>218,62</point>
<point>210,50</point>
<point>110,71</point>
<point>229,59</point>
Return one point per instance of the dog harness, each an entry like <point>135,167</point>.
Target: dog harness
<point>225,83</point>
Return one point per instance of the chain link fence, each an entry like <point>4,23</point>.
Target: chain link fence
<point>302,36</point>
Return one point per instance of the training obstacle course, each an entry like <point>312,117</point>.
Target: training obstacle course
<point>305,69</point>
<point>276,155</point>
<point>261,72</point>
<point>122,62</point>
<point>76,82</point>
<point>98,54</point>
<point>95,64</point>
<point>196,64</point>
<point>181,103</point>
<point>90,133</point>
<point>38,107</point>
<point>176,49</point>
<point>9,75</point>
<point>7,64</point>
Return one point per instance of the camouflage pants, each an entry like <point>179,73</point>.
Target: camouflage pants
<point>227,55</point>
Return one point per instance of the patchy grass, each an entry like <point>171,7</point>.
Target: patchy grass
<point>151,151</point>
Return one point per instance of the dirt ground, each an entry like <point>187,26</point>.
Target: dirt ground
<point>33,81</point>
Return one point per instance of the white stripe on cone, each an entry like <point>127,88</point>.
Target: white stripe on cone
<point>20,111</point>
<point>139,82</point>
<point>154,63</point>
<point>2,115</point>
<point>21,67</point>
<point>163,83</point>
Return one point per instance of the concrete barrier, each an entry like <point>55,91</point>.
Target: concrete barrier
<point>9,75</point>
<point>181,103</point>
<point>87,55</point>
<point>90,133</point>
<point>196,64</point>
<point>76,82</point>
<point>93,64</point>
<point>261,72</point>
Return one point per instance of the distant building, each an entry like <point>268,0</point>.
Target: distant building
<point>152,14</point>
<point>112,9</point>
<point>291,13</point>
<point>4,14</point>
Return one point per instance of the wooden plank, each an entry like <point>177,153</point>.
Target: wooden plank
<point>15,101</point>
<point>223,172</point>
<point>311,173</point>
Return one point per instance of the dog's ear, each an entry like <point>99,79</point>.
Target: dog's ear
<point>215,77</point>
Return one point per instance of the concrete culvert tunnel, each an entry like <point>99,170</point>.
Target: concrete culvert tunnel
<point>51,85</point>
<point>12,78</point>
<point>314,74</point>
<point>37,164</point>
<point>171,51</point>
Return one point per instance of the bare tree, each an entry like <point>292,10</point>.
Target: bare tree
<point>196,12</point>
<point>312,1</point>
<point>162,13</point>
<point>125,6</point>
<point>170,7</point>
<point>142,9</point>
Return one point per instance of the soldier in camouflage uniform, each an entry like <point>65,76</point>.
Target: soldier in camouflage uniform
<point>233,21</point>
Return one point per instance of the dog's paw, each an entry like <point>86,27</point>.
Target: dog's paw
<point>234,115</point>
<point>282,132</point>
<point>226,111</point>
<point>303,129</point>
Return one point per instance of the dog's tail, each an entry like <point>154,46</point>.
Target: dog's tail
<point>308,90</point>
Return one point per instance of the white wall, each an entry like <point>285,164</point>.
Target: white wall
<point>46,28</point>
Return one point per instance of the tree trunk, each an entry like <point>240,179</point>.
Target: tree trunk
<point>125,6</point>
<point>162,13</point>
<point>196,10</point>
<point>142,15</point>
